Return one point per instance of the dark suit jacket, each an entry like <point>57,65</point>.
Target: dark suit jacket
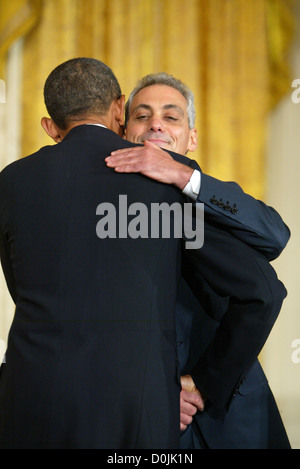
<point>250,419</point>
<point>215,345</point>
<point>91,351</point>
<point>248,219</point>
<point>91,359</point>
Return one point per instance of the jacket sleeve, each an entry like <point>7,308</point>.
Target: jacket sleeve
<point>252,221</point>
<point>255,295</point>
<point>247,218</point>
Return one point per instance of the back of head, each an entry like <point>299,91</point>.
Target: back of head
<point>78,88</point>
<point>163,78</point>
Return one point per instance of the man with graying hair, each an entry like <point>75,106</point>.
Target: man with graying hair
<point>217,350</point>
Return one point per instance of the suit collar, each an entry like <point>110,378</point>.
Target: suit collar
<point>90,129</point>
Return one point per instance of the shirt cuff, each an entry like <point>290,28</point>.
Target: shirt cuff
<point>192,188</point>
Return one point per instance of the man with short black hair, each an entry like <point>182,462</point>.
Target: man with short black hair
<point>91,359</point>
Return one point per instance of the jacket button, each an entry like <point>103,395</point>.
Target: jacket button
<point>221,204</point>
<point>234,210</point>
<point>214,200</point>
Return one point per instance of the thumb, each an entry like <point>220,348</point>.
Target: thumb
<point>188,384</point>
<point>150,144</point>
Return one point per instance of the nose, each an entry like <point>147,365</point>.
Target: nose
<point>155,125</point>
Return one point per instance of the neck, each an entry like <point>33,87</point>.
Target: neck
<point>89,120</point>
<point>113,125</point>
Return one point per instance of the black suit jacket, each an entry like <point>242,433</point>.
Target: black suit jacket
<point>91,359</point>
<point>254,297</point>
<point>251,419</point>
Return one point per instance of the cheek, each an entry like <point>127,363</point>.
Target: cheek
<point>182,142</point>
<point>133,132</point>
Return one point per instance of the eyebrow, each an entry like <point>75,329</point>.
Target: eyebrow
<point>166,107</point>
<point>142,106</point>
<point>174,106</point>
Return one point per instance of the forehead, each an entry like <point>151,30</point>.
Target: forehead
<point>159,97</point>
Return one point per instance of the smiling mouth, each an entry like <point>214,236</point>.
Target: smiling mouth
<point>158,141</point>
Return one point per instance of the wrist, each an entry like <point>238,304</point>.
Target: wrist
<point>182,175</point>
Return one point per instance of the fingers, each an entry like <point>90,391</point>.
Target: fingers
<point>190,403</point>
<point>123,160</point>
<point>124,152</point>
<point>119,155</point>
<point>148,155</point>
<point>188,384</point>
<point>187,407</point>
<point>152,162</point>
<point>184,422</point>
<point>187,411</point>
<point>128,160</point>
<point>192,399</point>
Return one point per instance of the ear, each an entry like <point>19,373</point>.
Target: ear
<point>120,109</point>
<point>51,129</point>
<point>116,116</point>
<point>193,140</point>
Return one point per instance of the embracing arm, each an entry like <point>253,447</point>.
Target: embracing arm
<point>249,219</point>
<point>235,271</point>
<point>226,204</point>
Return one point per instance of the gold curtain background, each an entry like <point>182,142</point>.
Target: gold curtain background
<point>232,53</point>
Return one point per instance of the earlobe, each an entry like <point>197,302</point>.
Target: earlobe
<point>51,129</point>
<point>121,109</point>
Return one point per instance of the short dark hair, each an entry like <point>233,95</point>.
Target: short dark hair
<point>79,87</point>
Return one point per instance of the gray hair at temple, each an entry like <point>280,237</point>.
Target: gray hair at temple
<point>168,80</point>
